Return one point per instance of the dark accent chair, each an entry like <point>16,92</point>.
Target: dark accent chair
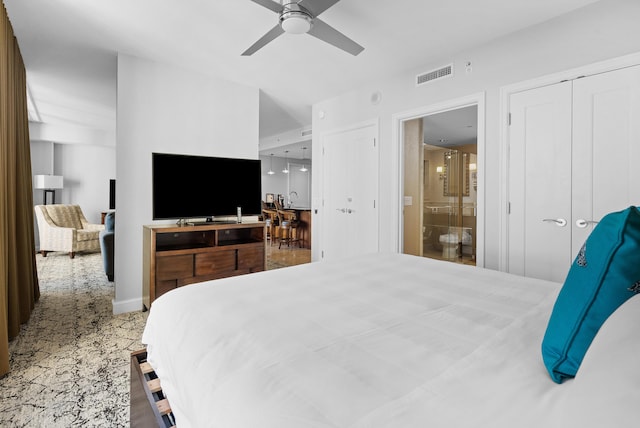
<point>107,243</point>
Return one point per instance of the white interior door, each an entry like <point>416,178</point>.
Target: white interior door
<point>350,193</point>
<point>606,155</point>
<point>540,182</point>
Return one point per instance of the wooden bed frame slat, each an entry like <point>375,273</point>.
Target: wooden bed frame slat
<point>148,405</point>
<point>146,368</point>
<point>154,385</point>
<point>163,407</point>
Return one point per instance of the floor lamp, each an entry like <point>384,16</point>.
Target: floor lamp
<point>48,183</point>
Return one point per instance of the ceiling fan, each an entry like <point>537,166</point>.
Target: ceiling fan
<point>298,17</point>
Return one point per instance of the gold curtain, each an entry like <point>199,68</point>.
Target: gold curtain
<point>19,288</point>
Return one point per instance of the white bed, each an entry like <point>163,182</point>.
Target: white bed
<point>382,340</point>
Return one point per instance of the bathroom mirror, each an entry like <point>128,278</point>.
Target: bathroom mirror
<point>456,173</point>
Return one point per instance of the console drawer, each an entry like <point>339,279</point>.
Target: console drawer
<point>174,267</point>
<point>164,286</point>
<point>251,258</point>
<point>215,263</point>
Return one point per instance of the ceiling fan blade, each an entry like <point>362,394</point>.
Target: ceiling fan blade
<point>316,7</point>
<point>327,33</point>
<point>271,34</point>
<point>269,4</point>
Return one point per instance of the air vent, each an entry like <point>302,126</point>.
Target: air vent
<point>306,133</point>
<point>430,76</point>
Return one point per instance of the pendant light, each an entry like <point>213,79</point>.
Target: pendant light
<point>286,163</point>
<point>271,166</point>
<point>304,166</point>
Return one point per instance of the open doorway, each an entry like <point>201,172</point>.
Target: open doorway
<point>441,185</point>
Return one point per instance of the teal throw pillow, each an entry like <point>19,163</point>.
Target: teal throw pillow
<point>604,275</point>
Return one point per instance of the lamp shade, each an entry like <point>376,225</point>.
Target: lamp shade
<point>48,181</point>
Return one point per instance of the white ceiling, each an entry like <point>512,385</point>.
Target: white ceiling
<point>70,48</point>
<point>451,128</point>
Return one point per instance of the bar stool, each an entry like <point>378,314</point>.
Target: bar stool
<point>271,220</point>
<point>288,229</point>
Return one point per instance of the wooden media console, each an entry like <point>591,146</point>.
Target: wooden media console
<point>175,256</point>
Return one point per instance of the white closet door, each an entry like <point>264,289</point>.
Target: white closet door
<point>606,154</point>
<point>540,182</point>
<point>575,156</point>
<point>350,191</point>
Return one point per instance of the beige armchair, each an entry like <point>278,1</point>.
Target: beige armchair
<point>65,228</point>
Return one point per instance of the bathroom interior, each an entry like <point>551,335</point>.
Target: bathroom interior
<point>441,185</point>
<point>449,213</point>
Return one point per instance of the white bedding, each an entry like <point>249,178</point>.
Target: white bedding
<point>382,340</point>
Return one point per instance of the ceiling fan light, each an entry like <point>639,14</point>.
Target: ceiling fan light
<point>295,23</point>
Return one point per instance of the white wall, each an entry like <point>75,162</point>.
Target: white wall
<point>603,30</point>
<point>279,183</point>
<point>276,183</point>
<point>42,155</point>
<point>164,108</point>
<point>295,136</point>
<point>87,170</point>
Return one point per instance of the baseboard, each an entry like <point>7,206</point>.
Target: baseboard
<point>124,306</point>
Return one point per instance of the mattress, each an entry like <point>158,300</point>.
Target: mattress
<point>380,340</point>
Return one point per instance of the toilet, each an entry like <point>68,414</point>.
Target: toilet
<point>450,242</point>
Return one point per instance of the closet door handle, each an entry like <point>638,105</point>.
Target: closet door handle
<point>582,223</point>
<point>560,222</point>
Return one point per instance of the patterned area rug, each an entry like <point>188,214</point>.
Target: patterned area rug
<point>70,362</point>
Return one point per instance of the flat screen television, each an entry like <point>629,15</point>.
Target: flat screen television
<point>190,187</point>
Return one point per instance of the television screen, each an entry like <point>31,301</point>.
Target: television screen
<point>187,186</point>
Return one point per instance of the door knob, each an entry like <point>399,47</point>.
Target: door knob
<point>582,223</point>
<point>560,222</point>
